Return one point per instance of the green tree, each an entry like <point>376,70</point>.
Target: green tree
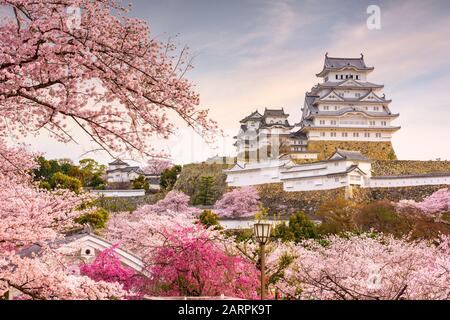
<point>300,227</point>
<point>97,218</point>
<point>62,181</point>
<point>92,173</point>
<point>169,177</point>
<point>206,193</point>
<point>140,183</point>
<point>209,219</point>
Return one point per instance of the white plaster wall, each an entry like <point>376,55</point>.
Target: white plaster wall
<point>253,177</point>
<point>119,193</point>
<point>318,183</point>
<point>407,181</point>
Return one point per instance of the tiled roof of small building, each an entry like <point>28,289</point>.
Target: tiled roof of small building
<point>350,155</point>
<point>118,162</point>
<point>126,169</point>
<point>253,116</point>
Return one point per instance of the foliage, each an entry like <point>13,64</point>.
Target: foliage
<point>140,183</point>
<point>382,217</point>
<point>338,215</point>
<point>240,202</point>
<point>299,228</point>
<point>92,174</point>
<point>61,181</point>
<point>62,173</point>
<point>205,194</point>
<point>209,219</point>
<point>190,179</point>
<point>97,218</point>
<point>397,219</point>
<point>169,177</point>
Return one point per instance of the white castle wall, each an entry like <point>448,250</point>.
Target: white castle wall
<point>406,181</point>
<point>120,193</point>
<point>325,176</point>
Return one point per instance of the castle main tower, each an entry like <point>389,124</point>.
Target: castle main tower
<point>346,107</point>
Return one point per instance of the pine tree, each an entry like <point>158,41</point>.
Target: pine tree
<point>206,194</point>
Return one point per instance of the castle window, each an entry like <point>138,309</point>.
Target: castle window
<point>346,76</point>
<point>372,123</point>
<point>351,76</point>
<point>322,134</point>
<point>335,107</point>
<point>376,108</point>
<point>321,121</point>
<point>378,135</point>
<point>333,122</point>
<point>357,94</point>
<point>357,77</point>
<point>326,107</point>
<point>337,77</point>
<point>383,123</point>
<point>355,134</point>
<point>333,134</point>
<point>344,134</point>
<point>367,135</point>
<point>342,76</point>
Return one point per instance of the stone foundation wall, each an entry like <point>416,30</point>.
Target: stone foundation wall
<point>284,203</point>
<point>404,167</point>
<point>278,201</point>
<point>371,149</point>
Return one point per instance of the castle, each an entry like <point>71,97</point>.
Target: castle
<point>345,109</point>
<point>346,123</point>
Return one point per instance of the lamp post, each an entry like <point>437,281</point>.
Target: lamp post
<point>262,235</point>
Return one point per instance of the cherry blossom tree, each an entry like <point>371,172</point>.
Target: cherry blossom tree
<point>107,267</point>
<point>240,202</point>
<point>30,216</point>
<point>157,166</point>
<point>78,62</point>
<point>174,203</point>
<point>436,203</point>
<point>75,62</point>
<point>367,267</point>
<point>192,263</point>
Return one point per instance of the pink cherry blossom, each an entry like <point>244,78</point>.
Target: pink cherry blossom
<point>103,73</point>
<point>436,203</point>
<point>240,202</point>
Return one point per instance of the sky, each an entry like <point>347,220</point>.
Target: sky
<point>252,54</point>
